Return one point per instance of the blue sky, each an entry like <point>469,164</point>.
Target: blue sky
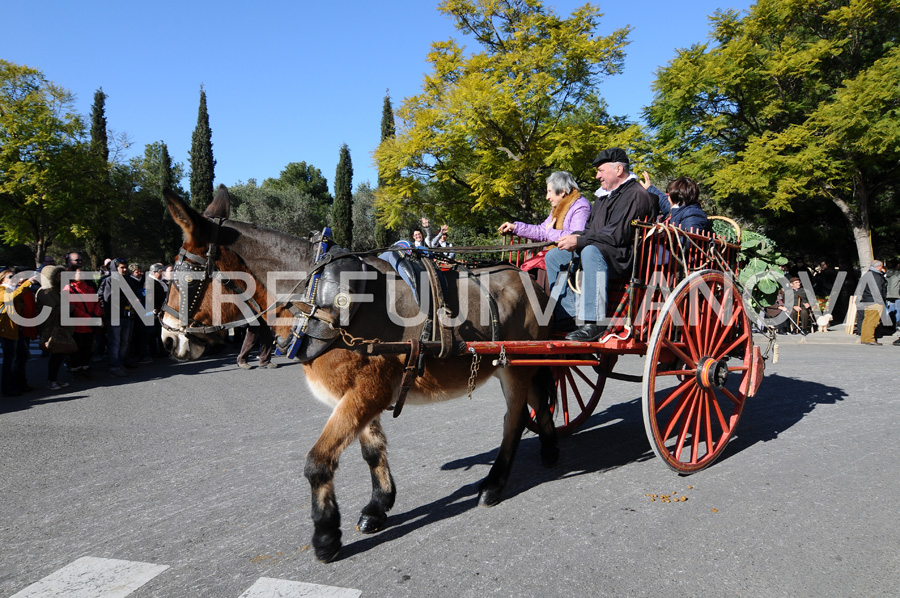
<point>286,81</point>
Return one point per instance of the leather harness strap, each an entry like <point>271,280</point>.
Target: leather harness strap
<point>410,371</point>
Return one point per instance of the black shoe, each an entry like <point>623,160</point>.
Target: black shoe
<point>896,342</point>
<point>587,333</point>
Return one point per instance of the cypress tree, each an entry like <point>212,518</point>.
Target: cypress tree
<point>382,238</point>
<point>99,138</point>
<point>98,242</point>
<point>201,157</point>
<point>342,209</point>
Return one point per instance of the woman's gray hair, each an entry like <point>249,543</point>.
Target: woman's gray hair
<point>562,183</point>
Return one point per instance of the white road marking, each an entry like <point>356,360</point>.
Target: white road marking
<point>92,577</point>
<point>266,587</point>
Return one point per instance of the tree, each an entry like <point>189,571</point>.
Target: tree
<point>43,158</point>
<point>382,236</point>
<point>97,227</point>
<point>201,157</point>
<point>489,126</point>
<point>342,210</point>
<point>286,209</point>
<point>793,104</point>
<point>364,225</point>
<point>307,180</point>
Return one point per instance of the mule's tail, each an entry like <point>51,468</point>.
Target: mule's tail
<point>545,389</point>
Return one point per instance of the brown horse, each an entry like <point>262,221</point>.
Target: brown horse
<point>221,258</point>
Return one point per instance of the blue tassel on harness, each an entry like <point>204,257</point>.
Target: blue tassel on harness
<point>299,331</point>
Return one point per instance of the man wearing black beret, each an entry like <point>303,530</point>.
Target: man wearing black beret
<point>604,247</point>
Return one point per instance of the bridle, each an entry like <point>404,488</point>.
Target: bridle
<point>191,276</point>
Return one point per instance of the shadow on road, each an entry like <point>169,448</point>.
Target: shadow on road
<point>611,439</point>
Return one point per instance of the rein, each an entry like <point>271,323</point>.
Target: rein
<point>193,274</point>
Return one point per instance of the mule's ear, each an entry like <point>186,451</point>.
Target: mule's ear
<point>221,204</point>
<point>184,215</point>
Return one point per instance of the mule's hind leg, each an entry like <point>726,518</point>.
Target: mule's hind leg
<point>374,450</point>
<point>345,424</point>
<point>542,399</point>
<point>520,387</point>
<point>515,383</point>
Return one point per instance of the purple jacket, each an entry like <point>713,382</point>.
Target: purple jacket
<point>575,220</point>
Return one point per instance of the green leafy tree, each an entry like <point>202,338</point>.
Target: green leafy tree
<point>794,103</point>
<point>388,130</point>
<point>307,180</point>
<point>287,209</point>
<point>342,210</point>
<point>491,124</point>
<point>201,157</point>
<point>43,158</point>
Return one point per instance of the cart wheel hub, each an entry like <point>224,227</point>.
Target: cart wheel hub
<point>712,373</point>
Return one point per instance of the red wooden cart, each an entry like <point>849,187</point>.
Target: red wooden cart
<point>684,310</point>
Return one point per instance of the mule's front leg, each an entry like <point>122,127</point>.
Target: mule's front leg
<point>326,517</point>
<point>374,450</point>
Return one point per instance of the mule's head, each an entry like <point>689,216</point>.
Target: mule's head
<point>192,320</point>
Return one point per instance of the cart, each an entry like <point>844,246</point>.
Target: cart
<point>683,309</point>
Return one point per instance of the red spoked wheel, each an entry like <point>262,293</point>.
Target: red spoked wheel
<point>578,391</point>
<point>698,370</point>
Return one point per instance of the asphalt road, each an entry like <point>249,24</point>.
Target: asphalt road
<point>197,469</point>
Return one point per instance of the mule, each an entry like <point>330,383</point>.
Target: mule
<point>359,387</point>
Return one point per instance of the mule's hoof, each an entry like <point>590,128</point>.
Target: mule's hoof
<point>370,524</point>
<point>549,457</point>
<point>328,554</point>
<point>488,497</point>
<point>327,547</point>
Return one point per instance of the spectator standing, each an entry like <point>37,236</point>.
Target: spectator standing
<point>49,296</point>
<point>10,300</point>
<point>84,305</point>
<point>892,276</point>
<point>257,334</point>
<point>157,288</point>
<point>118,315</point>
<point>872,299</point>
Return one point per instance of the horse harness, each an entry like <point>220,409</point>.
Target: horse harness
<point>193,273</point>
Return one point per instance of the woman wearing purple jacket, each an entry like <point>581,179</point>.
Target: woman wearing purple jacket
<point>569,212</point>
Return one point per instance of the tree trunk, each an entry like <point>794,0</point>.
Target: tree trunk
<point>859,225</point>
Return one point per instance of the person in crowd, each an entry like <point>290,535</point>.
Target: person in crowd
<point>872,299</point>
<point>441,240</point>
<point>141,331</point>
<point>84,306</point>
<point>420,235</point>
<point>604,247</point>
<point>118,314</point>
<point>892,297</point>
<point>12,299</point>
<point>73,261</point>
<point>680,204</point>
<point>156,298</point>
<point>801,313</point>
<point>257,334</point>
<point>49,301</point>
<point>47,261</point>
<point>27,332</point>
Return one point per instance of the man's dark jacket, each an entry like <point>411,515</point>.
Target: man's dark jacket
<point>609,225</point>
<point>876,278</point>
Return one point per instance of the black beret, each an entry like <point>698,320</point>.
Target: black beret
<point>613,154</point>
